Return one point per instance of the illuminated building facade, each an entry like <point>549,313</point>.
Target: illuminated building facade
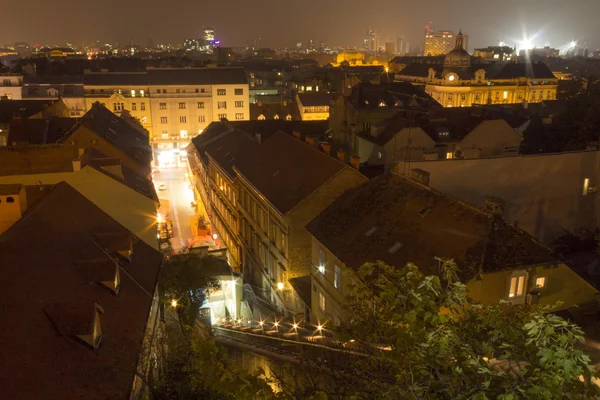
<point>495,53</point>
<point>461,83</point>
<point>441,42</point>
<point>173,105</point>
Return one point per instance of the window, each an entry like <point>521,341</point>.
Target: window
<point>239,116</point>
<point>548,95</point>
<point>239,104</point>
<point>177,91</point>
<point>337,277</point>
<point>449,155</point>
<point>463,97</point>
<point>586,186</point>
<point>222,116</point>
<point>201,118</point>
<point>517,286</point>
<point>288,117</point>
<point>449,96</point>
<point>321,302</point>
<point>477,96</point>
<point>222,104</point>
<point>141,93</point>
<point>144,120</point>
<point>163,120</point>
<point>157,90</point>
<point>520,95</point>
<point>165,134</point>
<point>221,92</point>
<point>541,94</point>
<point>183,119</point>
<point>183,134</point>
<point>322,261</point>
<point>162,106</point>
<point>118,107</point>
<point>200,104</point>
<point>132,93</point>
<point>540,282</point>
<point>497,95</point>
<point>182,106</point>
<point>164,91</point>
<point>10,199</point>
<point>239,92</point>
<point>142,106</point>
<point>261,117</point>
<point>133,106</point>
<point>505,95</point>
<point>197,90</point>
<point>533,95</point>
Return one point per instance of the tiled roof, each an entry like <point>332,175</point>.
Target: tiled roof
<point>506,70</point>
<point>115,78</point>
<point>10,189</point>
<point>270,110</point>
<point>315,99</point>
<point>10,109</point>
<point>119,133</point>
<point>389,128</point>
<point>398,221</point>
<point>390,95</point>
<point>278,161</point>
<point>196,76</point>
<point>51,285</point>
<point>37,160</point>
<point>39,131</point>
<point>53,80</point>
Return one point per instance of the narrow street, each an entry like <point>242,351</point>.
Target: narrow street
<point>176,190</point>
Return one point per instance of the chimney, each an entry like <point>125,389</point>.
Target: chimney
<point>310,141</point>
<point>258,137</point>
<point>341,156</point>
<point>77,164</point>
<point>326,147</point>
<point>494,205</point>
<point>355,162</point>
<point>297,134</point>
<point>420,176</point>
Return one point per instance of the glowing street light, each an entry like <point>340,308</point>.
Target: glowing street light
<point>215,236</point>
<point>280,285</point>
<point>173,303</point>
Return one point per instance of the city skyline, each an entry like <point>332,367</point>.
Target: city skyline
<point>534,22</point>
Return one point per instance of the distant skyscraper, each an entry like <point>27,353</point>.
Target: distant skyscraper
<point>441,42</point>
<point>370,41</point>
<point>399,45</point>
<point>390,48</point>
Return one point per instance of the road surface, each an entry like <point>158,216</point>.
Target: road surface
<point>180,196</point>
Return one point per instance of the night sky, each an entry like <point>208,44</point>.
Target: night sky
<point>282,23</point>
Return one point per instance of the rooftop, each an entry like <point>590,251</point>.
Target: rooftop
<point>39,131</point>
<point>49,297</point>
<point>196,76</point>
<point>10,109</point>
<point>397,221</point>
<point>390,95</point>
<point>315,99</point>
<point>10,189</point>
<point>507,70</point>
<point>275,161</point>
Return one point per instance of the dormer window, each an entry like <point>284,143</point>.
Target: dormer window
<point>94,338</point>
<point>114,285</point>
<point>382,104</point>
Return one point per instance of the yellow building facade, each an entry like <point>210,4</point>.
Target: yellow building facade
<point>172,104</point>
<point>461,83</point>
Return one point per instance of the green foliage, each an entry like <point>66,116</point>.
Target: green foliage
<point>442,345</point>
<point>198,368</point>
<point>187,278</point>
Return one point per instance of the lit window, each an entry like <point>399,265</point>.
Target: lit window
<point>165,135</point>
<point>337,276</point>
<point>141,93</point>
<point>261,117</point>
<point>222,116</point>
<point>586,186</point>
<point>239,116</point>
<point>321,302</point>
<point>221,92</point>
<point>449,155</point>
<point>200,104</point>
<point>183,134</point>
<point>517,286</point>
<point>144,120</point>
<point>132,93</point>
<point>182,106</point>
<point>505,95</point>
<point>162,106</point>
<point>133,106</point>
<point>540,282</point>
<point>163,120</point>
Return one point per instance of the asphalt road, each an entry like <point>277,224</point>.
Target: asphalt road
<point>180,196</point>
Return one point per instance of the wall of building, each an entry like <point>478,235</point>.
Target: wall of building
<point>543,193</point>
<point>492,138</point>
<point>300,242</point>
<point>12,207</point>
<point>561,284</point>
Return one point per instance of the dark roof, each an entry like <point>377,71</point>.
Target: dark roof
<point>315,99</point>
<point>196,76</point>
<point>51,286</point>
<point>270,110</point>
<point>119,133</point>
<point>116,78</point>
<point>507,70</point>
<point>14,188</point>
<point>53,80</point>
<point>386,130</point>
<point>37,160</point>
<point>390,95</point>
<point>545,108</point>
<point>10,109</point>
<point>279,161</point>
<point>39,131</point>
<point>398,221</point>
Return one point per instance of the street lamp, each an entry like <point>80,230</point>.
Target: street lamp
<point>280,285</point>
<point>174,303</point>
<point>215,236</point>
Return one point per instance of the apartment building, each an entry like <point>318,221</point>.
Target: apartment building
<point>172,104</point>
<point>247,165</point>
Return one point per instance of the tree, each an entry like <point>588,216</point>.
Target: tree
<point>442,345</point>
<point>186,278</point>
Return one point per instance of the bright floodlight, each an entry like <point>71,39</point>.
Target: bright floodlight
<point>276,324</point>
<point>295,326</point>
<point>280,285</point>
<point>320,327</point>
<point>173,303</point>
